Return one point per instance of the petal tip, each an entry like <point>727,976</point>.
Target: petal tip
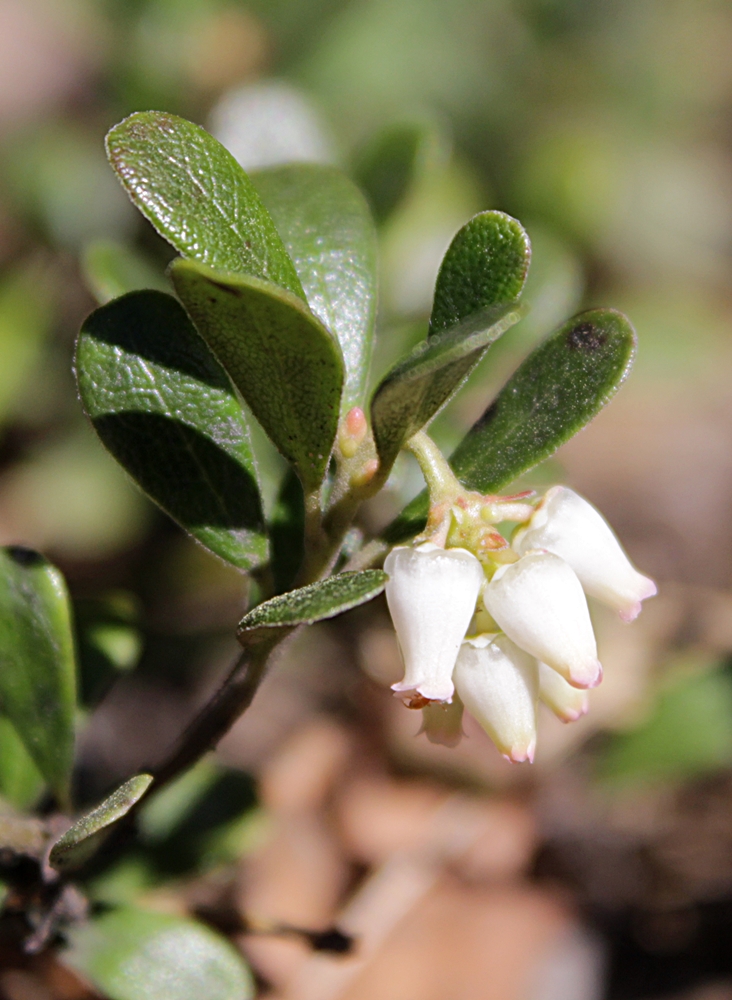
<point>588,678</point>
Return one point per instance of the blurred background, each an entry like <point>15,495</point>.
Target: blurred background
<point>603,872</point>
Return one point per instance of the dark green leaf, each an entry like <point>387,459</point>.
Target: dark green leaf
<point>311,604</point>
<point>480,279</point>
<point>88,833</point>
<point>166,410</point>
<point>20,780</point>
<point>327,227</point>
<point>387,167</point>
<point>558,389</point>
<point>418,386</point>
<point>37,663</point>
<point>286,364</point>
<point>486,263</point>
<point>113,269</point>
<point>132,954</point>
<point>198,197</point>
<point>287,533</point>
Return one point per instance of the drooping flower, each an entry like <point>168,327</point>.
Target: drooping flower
<point>442,721</point>
<point>539,604</point>
<point>568,703</point>
<point>431,593</point>
<point>568,526</point>
<point>499,685</point>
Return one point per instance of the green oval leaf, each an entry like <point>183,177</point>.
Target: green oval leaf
<point>286,364</point>
<point>197,196</point>
<point>558,389</point>
<point>311,604</point>
<point>166,410</point>
<point>131,954</point>
<point>486,263</point>
<point>480,279</point>
<point>327,227</point>
<point>112,269</point>
<point>418,386</point>
<point>82,840</point>
<point>37,663</point>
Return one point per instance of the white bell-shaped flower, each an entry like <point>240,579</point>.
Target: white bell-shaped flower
<point>431,593</point>
<point>539,603</point>
<point>499,685</point>
<point>568,703</point>
<point>567,525</point>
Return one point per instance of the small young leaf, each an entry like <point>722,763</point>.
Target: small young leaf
<point>327,227</point>
<point>198,197</point>
<point>486,263</point>
<point>418,386</point>
<point>20,780</point>
<point>480,279</point>
<point>286,364</point>
<point>37,663</point>
<point>311,604</point>
<point>131,954</point>
<point>86,836</point>
<point>112,269</point>
<point>558,389</point>
<point>166,410</point>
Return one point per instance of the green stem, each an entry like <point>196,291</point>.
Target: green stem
<point>441,481</point>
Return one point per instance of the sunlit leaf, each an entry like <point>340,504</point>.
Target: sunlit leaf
<point>197,196</point>
<point>327,227</point>
<point>286,364</point>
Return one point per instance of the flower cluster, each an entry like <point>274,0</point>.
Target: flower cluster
<point>497,627</point>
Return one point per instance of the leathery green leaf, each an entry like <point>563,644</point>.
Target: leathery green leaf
<point>418,386</point>
<point>311,604</point>
<point>166,410</point>
<point>197,196</point>
<point>487,262</point>
<point>327,227</point>
<point>286,364</point>
<point>88,833</point>
<point>37,663</point>
<point>558,389</point>
<point>478,285</point>
<point>131,954</point>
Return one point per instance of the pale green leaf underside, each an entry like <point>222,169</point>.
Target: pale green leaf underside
<point>417,388</point>
<point>88,833</point>
<point>311,604</point>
